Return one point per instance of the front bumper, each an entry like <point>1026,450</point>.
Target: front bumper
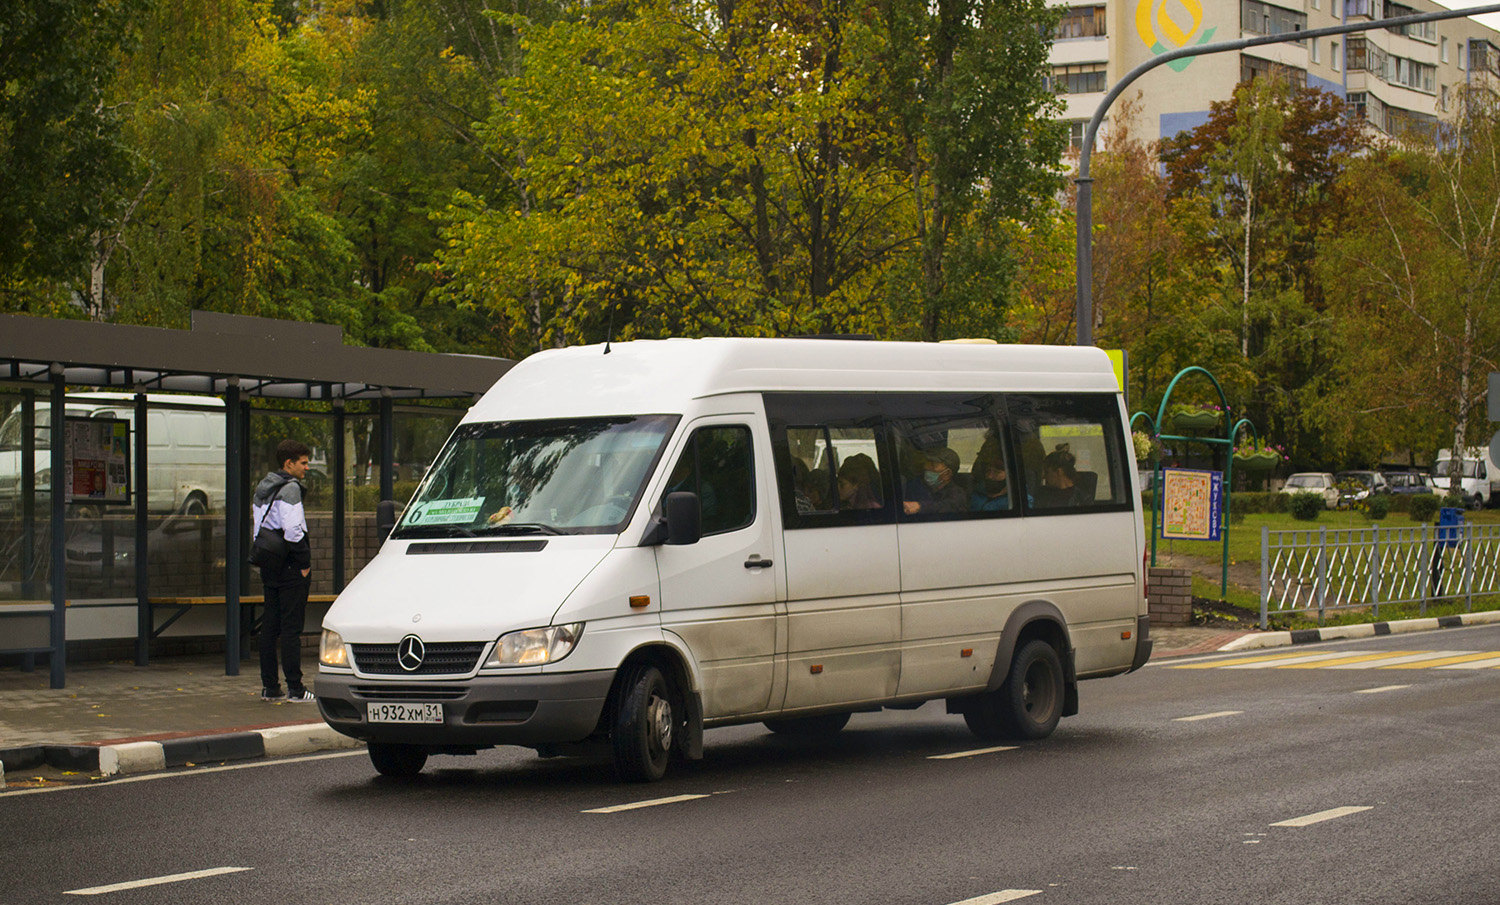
<point>482,711</point>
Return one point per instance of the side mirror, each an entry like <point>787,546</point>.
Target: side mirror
<point>684,518</point>
<point>385,518</point>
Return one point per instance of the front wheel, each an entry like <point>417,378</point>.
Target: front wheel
<point>1028,704</point>
<point>397,760</point>
<point>645,724</point>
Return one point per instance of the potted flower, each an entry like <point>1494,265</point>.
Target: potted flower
<point>1195,417</point>
<point>1253,456</point>
<point>1147,447</point>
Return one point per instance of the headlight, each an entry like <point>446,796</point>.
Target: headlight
<point>535,646</point>
<point>331,650</point>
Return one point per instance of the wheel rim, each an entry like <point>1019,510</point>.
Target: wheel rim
<point>1039,691</point>
<point>659,721</point>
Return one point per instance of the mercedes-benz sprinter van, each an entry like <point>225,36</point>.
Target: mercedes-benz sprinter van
<point>620,547</point>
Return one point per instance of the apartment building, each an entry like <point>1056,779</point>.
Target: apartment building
<point>1394,78</point>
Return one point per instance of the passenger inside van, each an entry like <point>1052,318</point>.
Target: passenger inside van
<point>1060,481</point>
<point>936,491</point>
<point>991,488</point>
<point>858,478</point>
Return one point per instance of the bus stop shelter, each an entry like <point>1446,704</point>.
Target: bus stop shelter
<point>231,357</point>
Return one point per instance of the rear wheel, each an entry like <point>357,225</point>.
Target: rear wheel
<point>195,504</point>
<point>645,725</point>
<point>1028,704</point>
<point>810,727</point>
<point>397,760</point>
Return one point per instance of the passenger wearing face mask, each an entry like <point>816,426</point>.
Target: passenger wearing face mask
<point>991,482</point>
<point>936,492</point>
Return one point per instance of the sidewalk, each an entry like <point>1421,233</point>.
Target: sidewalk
<point>115,717</point>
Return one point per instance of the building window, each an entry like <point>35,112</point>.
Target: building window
<point>1082,79</point>
<point>1422,31</point>
<point>1317,4</point>
<point>1462,63</point>
<point>1333,56</point>
<point>1081,22</point>
<point>1315,57</point>
<point>1076,130</point>
<point>1445,50</point>
<point>1252,68</point>
<point>1265,19</point>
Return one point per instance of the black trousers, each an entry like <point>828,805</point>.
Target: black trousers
<point>281,631</point>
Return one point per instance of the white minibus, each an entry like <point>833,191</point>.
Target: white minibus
<point>621,546</point>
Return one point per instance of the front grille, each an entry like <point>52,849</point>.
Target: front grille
<point>454,658</point>
<point>409,692</point>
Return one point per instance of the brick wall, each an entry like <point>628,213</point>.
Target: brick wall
<point>1170,601</point>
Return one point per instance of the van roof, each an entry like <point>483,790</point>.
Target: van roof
<point>648,376</point>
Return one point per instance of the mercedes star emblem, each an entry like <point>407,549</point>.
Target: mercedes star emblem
<point>410,653</point>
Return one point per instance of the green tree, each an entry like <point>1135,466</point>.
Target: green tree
<point>61,154</point>
<point>1413,267</point>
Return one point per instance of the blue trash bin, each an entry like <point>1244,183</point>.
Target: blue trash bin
<point>1450,520</point>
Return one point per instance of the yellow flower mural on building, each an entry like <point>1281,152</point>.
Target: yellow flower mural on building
<point>1170,24</point>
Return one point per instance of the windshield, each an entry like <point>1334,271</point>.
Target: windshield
<point>574,476</point>
<point>1470,469</point>
<point>11,434</point>
<point>1304,481</point>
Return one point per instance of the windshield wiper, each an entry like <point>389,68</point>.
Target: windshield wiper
<point>524,528</point>
<point>433,531</point>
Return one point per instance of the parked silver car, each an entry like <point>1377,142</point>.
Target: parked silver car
<point>1319,482</point>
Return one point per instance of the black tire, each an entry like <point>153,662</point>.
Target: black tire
<point>1028,704</point>
<point>402,761</point>
<point>647,720</point>
<point>810,727</point>
<point>195,504</point>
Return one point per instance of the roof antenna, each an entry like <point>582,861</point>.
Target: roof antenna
<point>610,331</point>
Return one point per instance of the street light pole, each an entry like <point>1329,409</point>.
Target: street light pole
<point>1084,311</point>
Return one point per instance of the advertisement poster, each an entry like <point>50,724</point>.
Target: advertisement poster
<point>98,460</point>
<point>1192,503</point>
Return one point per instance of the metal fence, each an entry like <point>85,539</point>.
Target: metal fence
<point>1321,570</point>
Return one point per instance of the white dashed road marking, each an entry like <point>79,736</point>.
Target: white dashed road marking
<point>636,805</point>
<point>974,753</point>
<point>1207,716</point>
<point>1381,688</point>
<point>155,881</point>
<point>1321,816</point>
<point>995,898</point>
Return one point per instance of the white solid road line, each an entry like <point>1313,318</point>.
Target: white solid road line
<point>1288,661</point>
<point>1321,816</point>
<point>995,898</point>
<point>1207,716</point>
<point>1398,661</point>
<point>1381,688</point>
<point>155,881</point>
<point>636,805</point>
<point>974,753</point>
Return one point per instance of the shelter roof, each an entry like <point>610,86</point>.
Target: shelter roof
<point>270,358</point>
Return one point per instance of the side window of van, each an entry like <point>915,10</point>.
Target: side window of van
<point>832,464</point>
<point>719,465</point>
<point>1070,450</point>
<point>953,465</point>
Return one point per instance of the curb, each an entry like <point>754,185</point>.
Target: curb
<point>144,757</point>
<point>1365,630</point>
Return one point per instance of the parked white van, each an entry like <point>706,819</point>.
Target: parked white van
<point>620,547</point>
<point>1478,475</point>
<point>184,451</point>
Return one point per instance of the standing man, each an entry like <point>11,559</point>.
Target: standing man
<point>278,507</point>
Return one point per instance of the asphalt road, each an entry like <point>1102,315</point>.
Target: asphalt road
<point>1174,785</point>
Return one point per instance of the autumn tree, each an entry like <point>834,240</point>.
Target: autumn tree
<point>1264,165</point>
<point>1413,270</point>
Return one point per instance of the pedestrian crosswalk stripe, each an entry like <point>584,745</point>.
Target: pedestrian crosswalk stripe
<point>1215,664</point>
<point>1359,659</point>
<point>1446,661</point>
